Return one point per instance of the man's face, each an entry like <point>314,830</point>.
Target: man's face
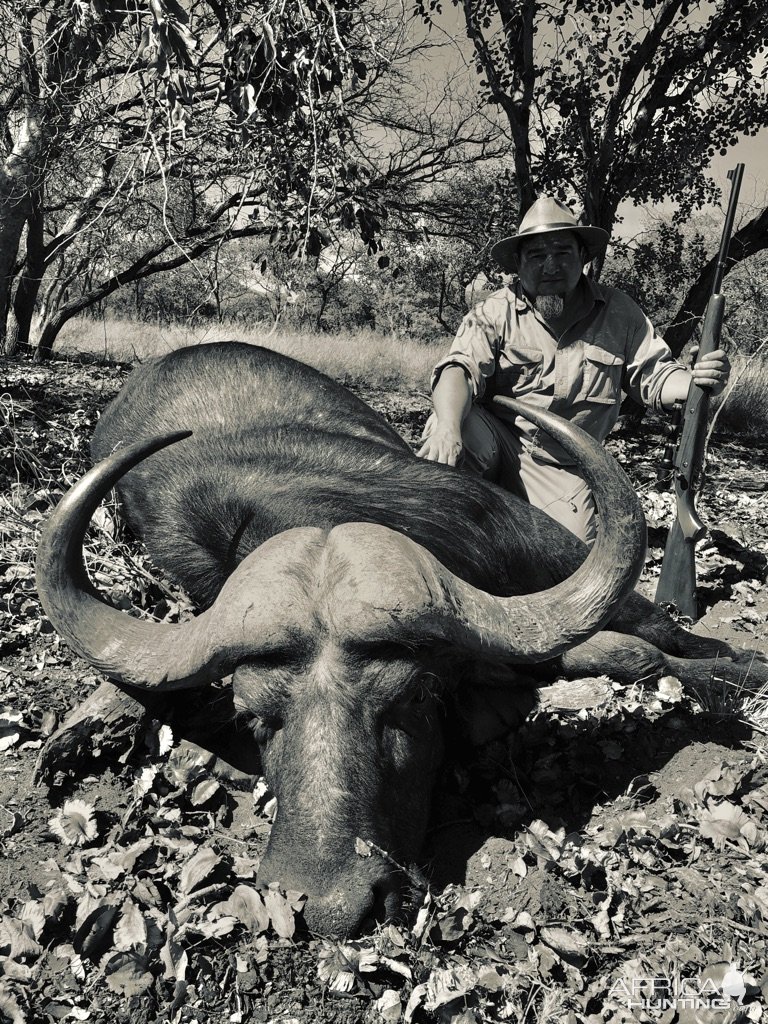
<point>550,265</point>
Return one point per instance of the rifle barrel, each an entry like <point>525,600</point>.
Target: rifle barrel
<point>735,175</point>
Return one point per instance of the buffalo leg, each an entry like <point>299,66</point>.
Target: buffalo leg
<point>641,618</point>
<point>629,659</point>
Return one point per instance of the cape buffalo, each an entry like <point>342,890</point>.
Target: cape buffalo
<point>351,590</point>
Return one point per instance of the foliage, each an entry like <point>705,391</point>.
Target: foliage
<point>435,264</point>
<point>657,270</point>
<point>664,262</point>
<point>140,138</point>
<point>744,408</point>
<point>747,305</point>
<point>610,100</point>
<point>437,242</point>
<point>104,101</point>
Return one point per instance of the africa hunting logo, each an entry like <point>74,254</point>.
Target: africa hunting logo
<point>664,993</point>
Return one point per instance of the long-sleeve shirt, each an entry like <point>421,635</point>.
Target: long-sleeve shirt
<point>506,348</point>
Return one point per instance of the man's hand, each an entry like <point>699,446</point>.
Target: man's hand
<point>712,371</point>
<point>441,444</point>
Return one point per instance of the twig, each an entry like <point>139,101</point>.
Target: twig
<point>412,874</point>
<point>739,927</point>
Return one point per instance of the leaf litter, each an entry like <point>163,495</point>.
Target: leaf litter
<point>618,854</point>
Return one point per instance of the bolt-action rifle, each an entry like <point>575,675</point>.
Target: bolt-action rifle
<point>677,582</point>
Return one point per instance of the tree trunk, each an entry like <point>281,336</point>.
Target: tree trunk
<point>13,216</point>
<point>22,307</point>
<point>147,264</point>
<point>16,175</point>
<point>50,330</point>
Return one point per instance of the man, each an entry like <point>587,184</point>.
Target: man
<point>558,340</point>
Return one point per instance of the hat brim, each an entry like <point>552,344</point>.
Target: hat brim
<point>593,239</point>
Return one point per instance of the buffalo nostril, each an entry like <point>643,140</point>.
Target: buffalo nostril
<point>339,916</point>
<point>386,905</point>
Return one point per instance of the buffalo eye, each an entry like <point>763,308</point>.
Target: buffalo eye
<point>413,711</point>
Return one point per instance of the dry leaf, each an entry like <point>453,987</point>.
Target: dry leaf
<point>33,918</point>
<point>204,791</point>
<point>280,912</point>
<point>10,1009</point>
<point>670,690</point>
<point>445,985</point>
<point>389,1005</point>
<point>264,803</point>
<point>197,869</point>
<point>11,728</point>
<point>77,968</point>
<point>726,821</point>
<point>75,823</point>
<point>215,929</point>
<point>186,762</point>
<point>17,939</point>
<point>542,843</point>
<point>131,928</point>
<point>95,932</point>
<point>415,1000</point>
<point>340,963</point>
<point>247,905</point>
<point>164,739</point>
<point>119,862</point>
<point>145,781</point>
<point>126,973</point>
<point>12,824</point>
<point>570,945</point>
<point>173,956</point>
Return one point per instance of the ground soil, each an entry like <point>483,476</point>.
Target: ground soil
<point>589,847</point>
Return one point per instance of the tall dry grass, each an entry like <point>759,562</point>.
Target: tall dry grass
<point>351,355</point>
<point>373,357</point>
<point>743,408</point>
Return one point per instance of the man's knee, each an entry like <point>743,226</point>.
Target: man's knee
<point>580,519</point>
<point>563,495</point>
<point>481,449</point>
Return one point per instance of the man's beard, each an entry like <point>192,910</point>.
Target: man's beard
<point>549,306</point>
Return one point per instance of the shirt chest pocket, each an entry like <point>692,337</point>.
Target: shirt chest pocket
<point>601,381</point>
<point>519,371</point>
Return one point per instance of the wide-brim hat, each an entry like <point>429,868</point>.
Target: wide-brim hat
<point>548,217</point>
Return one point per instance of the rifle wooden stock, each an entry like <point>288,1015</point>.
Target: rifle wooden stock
<point>677,582</point>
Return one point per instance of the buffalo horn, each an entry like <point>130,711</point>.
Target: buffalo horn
<point>147,654</point>
<point>537,627</point>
